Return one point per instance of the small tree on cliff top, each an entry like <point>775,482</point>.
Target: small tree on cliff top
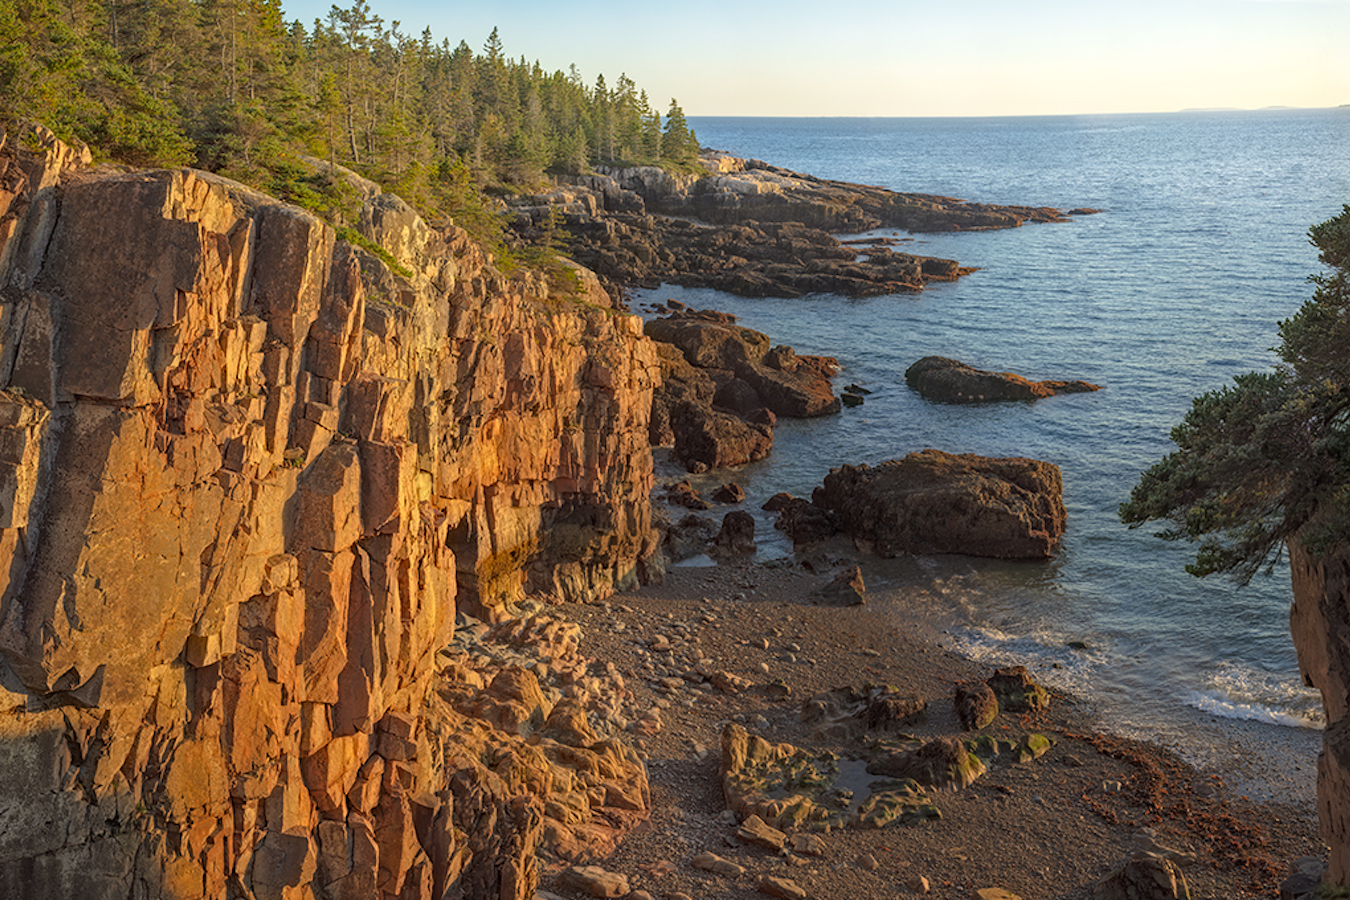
<point>1258,460</point>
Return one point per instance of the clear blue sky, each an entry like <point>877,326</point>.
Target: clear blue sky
<point>905,58</point>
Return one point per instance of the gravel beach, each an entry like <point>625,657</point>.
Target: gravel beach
<point>1039,829</point>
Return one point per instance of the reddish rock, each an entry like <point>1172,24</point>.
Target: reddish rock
<point>950,381</point>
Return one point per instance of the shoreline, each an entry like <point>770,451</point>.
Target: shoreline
<point>1051,827</point>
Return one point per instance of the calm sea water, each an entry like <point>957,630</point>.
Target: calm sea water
<point>1174,288</point>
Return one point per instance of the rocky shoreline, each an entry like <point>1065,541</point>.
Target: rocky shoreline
<point>1053,826</point>
<point>750,228</point>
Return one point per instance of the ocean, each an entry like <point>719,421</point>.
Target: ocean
<point>1176,286</point>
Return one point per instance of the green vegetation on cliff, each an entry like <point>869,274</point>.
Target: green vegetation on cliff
<point>1259,460</point>
<point>232,87</point>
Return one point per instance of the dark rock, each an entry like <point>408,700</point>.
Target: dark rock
<point>738,532</point>
<point>804,522</point>
<point>846,589</point>
<point>689,537</point>
<point>739,397</point>
<point>1016,691</point>
<point>976,705</point>
<point>777,501</point>
<point>935,502</point>
<point>714,439</point>
<point>851,400</point>
<point>707,340</point>
<point>755,229</point>
<point>857,389</point>
<point>950,381</point>
<point>729,493</point>
<point>889,711</point>
<point>682,493</point>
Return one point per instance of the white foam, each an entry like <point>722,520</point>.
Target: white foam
<point>1216,704</point>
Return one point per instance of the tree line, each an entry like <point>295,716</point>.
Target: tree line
<point>231,86</point>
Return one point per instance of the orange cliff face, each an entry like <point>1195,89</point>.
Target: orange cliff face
<point>248,477</point>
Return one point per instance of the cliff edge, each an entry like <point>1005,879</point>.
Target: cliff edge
<point>251,475</point>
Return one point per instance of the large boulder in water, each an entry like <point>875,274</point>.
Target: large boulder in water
<point>935,502</point>
<point>952,381</point>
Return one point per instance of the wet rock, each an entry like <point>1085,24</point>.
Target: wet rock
<point>738,532</point>
<point>690,537</point>
<point>730,493</point>
<point>804,522</point>
<point>846,712</point>
<point>935,502</point>
<point>845,589</point>
<point>706,438</point>
<point>950,381</point>
<point>682,493</point>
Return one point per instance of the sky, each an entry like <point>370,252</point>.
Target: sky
<point>906,58</point>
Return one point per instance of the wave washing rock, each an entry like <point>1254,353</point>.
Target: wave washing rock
<point>250,475</point>
<point>950,381</point>
<point>935,502</point>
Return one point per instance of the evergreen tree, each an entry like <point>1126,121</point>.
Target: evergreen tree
<point>1260,460</point>
<point>678,144</point>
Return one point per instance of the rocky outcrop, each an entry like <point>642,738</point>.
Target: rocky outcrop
<point>251,474</point>
<point>723,387</point>
<point>935,502</point>
<point>950,381</point>
<point>1320,622</point>
<point>750,228</point>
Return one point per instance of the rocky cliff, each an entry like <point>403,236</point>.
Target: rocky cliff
<point>250,477</point>
<point>1320,622</point>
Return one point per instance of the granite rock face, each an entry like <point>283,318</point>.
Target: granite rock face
<point>1320,622</point>
<point>935,502</point>
<point>249,476</point>
<point>950,381</point>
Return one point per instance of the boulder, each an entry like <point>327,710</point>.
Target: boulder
<point>951,381</point>
<point>802,520</point>
<point>729,493</point>
<point>940,763</point>
<point>976,705</point>
<point>935,502</point>
<point>845,589</point>
<point>1017,691</point>
<point>689,537</point>
<point>738,532</point>
<point>707,438</point>
<point>1147,878</point>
